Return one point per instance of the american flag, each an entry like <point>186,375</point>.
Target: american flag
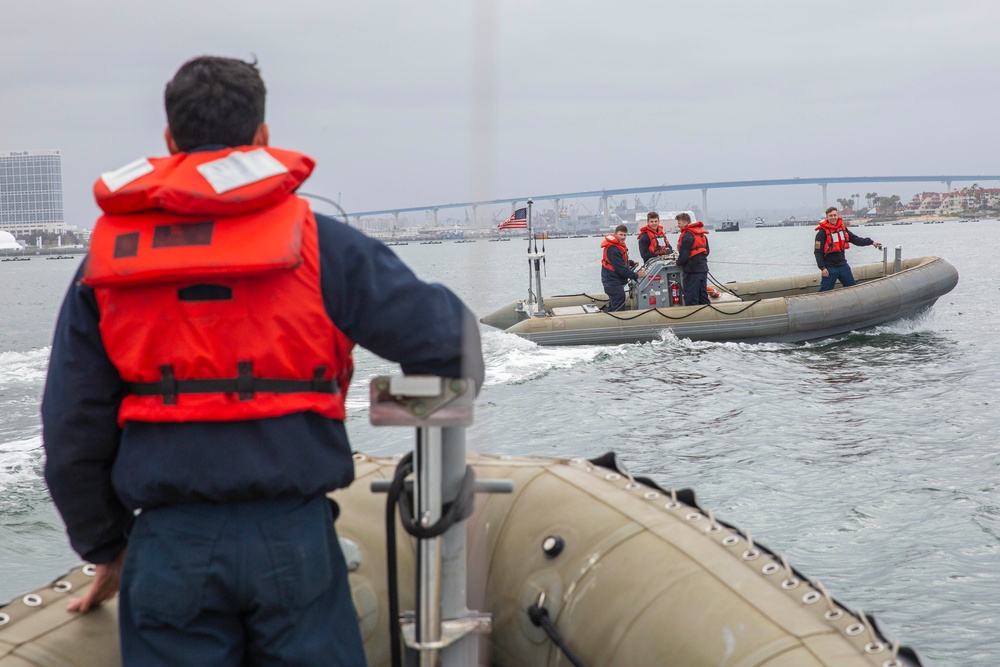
<point>517,220</point>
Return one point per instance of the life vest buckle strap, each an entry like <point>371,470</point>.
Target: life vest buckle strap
<point>168,382</point>
<point>320,385</point>
<point>244,380</point>
<point>245,385</point>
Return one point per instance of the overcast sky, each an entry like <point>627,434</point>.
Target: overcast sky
<point>411,104</point>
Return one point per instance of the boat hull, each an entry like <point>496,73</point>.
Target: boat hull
<point>645,577</point>
<point>774,310</point>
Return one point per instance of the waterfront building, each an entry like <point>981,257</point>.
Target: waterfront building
<point>31,198</point>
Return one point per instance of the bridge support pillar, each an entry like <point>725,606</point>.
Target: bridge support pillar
<point>475,215</point>
<point>604,211</point>
<point>948,184</point>
<point>704,204</point>
<point>823,185</point>
<point>435,217</point>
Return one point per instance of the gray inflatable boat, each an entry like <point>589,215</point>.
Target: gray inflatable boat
<point>772,310</point>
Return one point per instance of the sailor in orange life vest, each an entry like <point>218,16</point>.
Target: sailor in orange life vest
<point>652,241</point>
<point>692,257</point>
<point>616,268</point>
<point>194,406</point>
<point>832,239</point>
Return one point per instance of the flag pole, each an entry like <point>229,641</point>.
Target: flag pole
<point>536,257</point>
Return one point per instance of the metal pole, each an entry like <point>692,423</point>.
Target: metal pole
<point>427,492</point>
<point>704,203</point>
<point>454,577</point>
<point>442,631</point>
<point>899,259</point>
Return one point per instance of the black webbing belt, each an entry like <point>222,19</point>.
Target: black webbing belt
<point>244,384</point>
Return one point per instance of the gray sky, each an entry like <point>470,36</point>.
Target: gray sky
<point>407,104</point>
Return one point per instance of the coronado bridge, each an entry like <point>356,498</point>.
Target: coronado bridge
<point>603,195</point>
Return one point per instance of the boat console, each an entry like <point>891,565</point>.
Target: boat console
<point>663,286</point>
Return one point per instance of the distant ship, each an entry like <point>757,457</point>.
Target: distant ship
<point>759,222</point>
<point>729,226</point>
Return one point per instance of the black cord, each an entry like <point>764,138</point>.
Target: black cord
<point>453,512</point>
<point>395,490</point>
<point>540,617</point>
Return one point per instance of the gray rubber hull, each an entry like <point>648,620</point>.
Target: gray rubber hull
<point>644,578</point>
<point>774,310</point>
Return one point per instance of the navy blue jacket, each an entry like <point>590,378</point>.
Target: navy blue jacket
<point>623,272</point>
<point>689,264</point>
<point>824,260</point>
<point>99,474</point>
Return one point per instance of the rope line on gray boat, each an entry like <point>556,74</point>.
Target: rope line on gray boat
<point>682,317</point>
<point>451,513</point>
<point>719,261</point>
<point>540,618</point>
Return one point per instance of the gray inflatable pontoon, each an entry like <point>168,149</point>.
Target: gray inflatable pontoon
<point>630,574</point>
<point>773,310</point>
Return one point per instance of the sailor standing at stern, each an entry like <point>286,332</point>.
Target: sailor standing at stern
<point>692,257</point>
<point>832,239</point>
<point>194,406</point>
<point>616,268</point>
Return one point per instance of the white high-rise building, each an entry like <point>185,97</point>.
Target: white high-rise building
<point>31,192</point>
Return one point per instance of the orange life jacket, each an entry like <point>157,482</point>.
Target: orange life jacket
<point>700,244</point>
<point>836,236</point>
<point>610,240</point>
<point>655,247</point>
<point>206,271</point>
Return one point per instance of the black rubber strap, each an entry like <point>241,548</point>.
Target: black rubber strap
<point>245,384</point>
<point>540,617</point>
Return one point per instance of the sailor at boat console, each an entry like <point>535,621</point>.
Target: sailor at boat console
<point>652,241</point>
<point>616,268</point>
<point>692,257</point>
<point>833,238</point>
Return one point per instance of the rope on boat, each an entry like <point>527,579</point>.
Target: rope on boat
<point>540,617</point>
<point>458,510</point>
<point>718,261</point>
<point>682,317</point>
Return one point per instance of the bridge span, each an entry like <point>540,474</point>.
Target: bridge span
<point>704,187</point>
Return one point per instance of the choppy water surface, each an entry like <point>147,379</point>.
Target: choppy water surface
<point>871,459</point>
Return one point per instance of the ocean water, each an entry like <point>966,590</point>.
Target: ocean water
<point>871,460</point>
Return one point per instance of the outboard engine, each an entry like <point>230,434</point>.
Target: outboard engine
<point>663,286</point>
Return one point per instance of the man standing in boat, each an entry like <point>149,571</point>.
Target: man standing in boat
<point>616,268</point>
<point>833,238</point>
<point>195,401</point>
<point>692,257</point>
<point>652,241</point>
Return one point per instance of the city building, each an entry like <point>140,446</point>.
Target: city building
<point>31,199</point>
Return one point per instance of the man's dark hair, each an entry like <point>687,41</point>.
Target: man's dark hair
<point>651,215</point>
<point>831,209</point>
<point>682,217</point>
<point>214,100</point>
<point>621,228</point>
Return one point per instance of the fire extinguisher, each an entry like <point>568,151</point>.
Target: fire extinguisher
<point>675,294</point>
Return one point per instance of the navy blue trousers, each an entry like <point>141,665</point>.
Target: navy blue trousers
<point>233,585</point>
<point>841,273</point>
<point>616,295</point>
<point>696,289</point>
